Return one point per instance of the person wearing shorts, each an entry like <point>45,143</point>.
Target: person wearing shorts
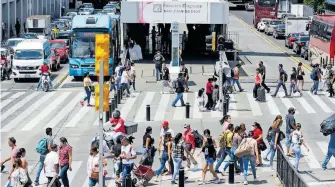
<point>208,148</point>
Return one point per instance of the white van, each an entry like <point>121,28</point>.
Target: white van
<point>29,56</point>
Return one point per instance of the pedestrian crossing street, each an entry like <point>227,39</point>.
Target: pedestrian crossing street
<point>40,109</point>
<point>78,176</point>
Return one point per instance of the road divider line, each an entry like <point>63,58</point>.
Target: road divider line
<point>305,105</point>
<point>272,105</point>
<point>319,101</point>
<point>47,110</point>
<point>18,119</point>
<point>272,43</point>
<point>141,114</point>
<point>61,79</point>
<point>3,94</point>
<point>128,105</point>
<point>232,106</point>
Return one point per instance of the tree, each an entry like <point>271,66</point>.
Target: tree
<point>318,5</point>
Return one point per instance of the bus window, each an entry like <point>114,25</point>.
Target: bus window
<point>326,59</point>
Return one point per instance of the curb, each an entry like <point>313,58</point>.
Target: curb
<point>273,44</point>
<point>60,80</point>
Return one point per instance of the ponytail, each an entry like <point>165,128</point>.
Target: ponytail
<point>64,141</point>
<point>20,152</point>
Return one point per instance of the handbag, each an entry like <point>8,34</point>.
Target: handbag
<point>244,149</point>
<point>262,146</point>
<point>94,174</point>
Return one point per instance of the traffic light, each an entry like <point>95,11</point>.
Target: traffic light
<point>210,42</point>
<point>105,97</point>
<point>221,41</point>
<point>102,44</point>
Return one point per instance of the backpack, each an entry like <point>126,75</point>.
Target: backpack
<point>42,146</point>
<point>285,76</point>
<point>313,74</point>
<point>223,140</point>
<point>269,135</point>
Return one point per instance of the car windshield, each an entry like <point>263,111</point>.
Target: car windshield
<point>83,47</point>
<point>28,54</point>
<point>71,14</point>
<point>13,43</point>
<point>266,3</point>
<point>304,39</point>
<point>57,45</point>
<point>60,25</point>
<point>28,36</point>
<point>88,6</point>
<point>275,22</point>
<point>281,26</point>
<point>295,35</point>
<point>84,10</point>
<point>266,21</point>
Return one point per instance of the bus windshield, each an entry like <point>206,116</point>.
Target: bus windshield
<point>266,3</point>
<point>83,47</point>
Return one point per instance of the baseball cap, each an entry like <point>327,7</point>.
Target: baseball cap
<point>165,124</point>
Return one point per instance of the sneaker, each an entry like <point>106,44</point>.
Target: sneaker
<point>245,182</point>
<point>36,183</point>
<point>217,171</point>
<point>216,181</point>
<point>266,159</point>
<point>82,103</point>
<point>268,91</point>
<point>256,179</point>
<point>173,105</point>
<point>323,167</point>
<point>173,182</point>
<point>195,168</point>
<point>201,182</point>
<point>2,167</point>
<point>271,96</point>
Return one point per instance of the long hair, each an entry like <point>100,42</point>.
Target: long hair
<point>177,138</point>
<point>225,118</point>
<point>277,122</point>
<point>20,152</point>
<point>258,126</point>
<point>64,141</point>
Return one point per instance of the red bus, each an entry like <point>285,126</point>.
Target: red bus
<point>265,9</point>
<point>322,40</point>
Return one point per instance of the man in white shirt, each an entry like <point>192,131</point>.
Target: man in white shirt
<point>128,155</point>
<point>125,78</point>
<point>51,166</point>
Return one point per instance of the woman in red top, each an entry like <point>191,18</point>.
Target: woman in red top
<point>258,81</point>
<point>65,160</point>
<point>209,92</point>
<point>258,135</point>
<point>189,145</point>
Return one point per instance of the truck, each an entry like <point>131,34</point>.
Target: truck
<point>39,24</point>
<point>296,25</point>
<point>302,10</point>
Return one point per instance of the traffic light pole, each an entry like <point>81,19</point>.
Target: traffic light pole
<point>101,91</point>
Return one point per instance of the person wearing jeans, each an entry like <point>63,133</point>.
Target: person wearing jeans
<point>177,154</point>
<point>65,160</point>
<point>331,150</point>
<point>87,88</point>
<point>166,155</point>
<point>315,78</point>
<point>281,81</point>
<point>48,132</point>
<point>236,78</point>
<point>297,140</point>
<point>125,79</point>
<point>252,158</point>
<point>179,90</point>
<point>262,71</point>
<point>257,83</point>
<point>209,92</point>
<point>128,155</point>
<point>227,136</point>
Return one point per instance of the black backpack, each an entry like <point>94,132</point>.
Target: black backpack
<point>269,135</point>
<point>285,76</point>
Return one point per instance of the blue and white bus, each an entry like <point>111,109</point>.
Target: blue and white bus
<point>82,48</point>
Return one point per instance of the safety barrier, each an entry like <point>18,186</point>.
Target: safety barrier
<point>287,174</point>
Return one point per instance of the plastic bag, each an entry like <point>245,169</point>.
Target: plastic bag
<point>328,125</point>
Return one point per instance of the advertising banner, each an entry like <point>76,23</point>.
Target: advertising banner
<point>173,11</point>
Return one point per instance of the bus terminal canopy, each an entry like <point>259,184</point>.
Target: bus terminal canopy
<point>181,11</point>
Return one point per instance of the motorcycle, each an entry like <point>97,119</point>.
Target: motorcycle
<point>4,70</point>
<point>45,82</point>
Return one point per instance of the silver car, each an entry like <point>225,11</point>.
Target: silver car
<point>270,27</point>
<point>85,11</point>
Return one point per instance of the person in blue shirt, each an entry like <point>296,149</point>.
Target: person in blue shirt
<point>331,150</point>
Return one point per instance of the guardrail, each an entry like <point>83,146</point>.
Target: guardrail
<point>286,172</point>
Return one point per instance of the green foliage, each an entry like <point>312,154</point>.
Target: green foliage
<point>318,5</point>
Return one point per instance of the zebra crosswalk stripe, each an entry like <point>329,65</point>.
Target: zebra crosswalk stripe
<point>310,158</point>
<point>305,105</point>
<point>3,94</point>
<point>16,121</point>
<point>286,101</point>
<point>44,113</point>
<point>163,104</point>
<point>256,110</point>
<point>17,106</point>
<point>196,110</point>
<point>179,113</point>
<point>272,105</point>
<point>324,148</point>
<point>10,99</point>
<point>140,117</point>
<point>320,102</point>
<point>128,105</point>
<point>76,118</point>
<point>232,106</point>
<point>65,111</point>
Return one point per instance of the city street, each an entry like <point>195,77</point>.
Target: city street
<point>26,113</point>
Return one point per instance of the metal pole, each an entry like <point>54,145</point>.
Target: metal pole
<point>231,172</point>
<point>181,177</point>
<point>148,112</point>
<point>187,115</point>
<point>60,9</point>
<point>101,82</point>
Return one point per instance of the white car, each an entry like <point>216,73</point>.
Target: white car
<point>261,25</point>
<point>71,14</point>
<point>12,43</point>
<point>88,6</point>
<point>84,11</point>
<point>249,6</point>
